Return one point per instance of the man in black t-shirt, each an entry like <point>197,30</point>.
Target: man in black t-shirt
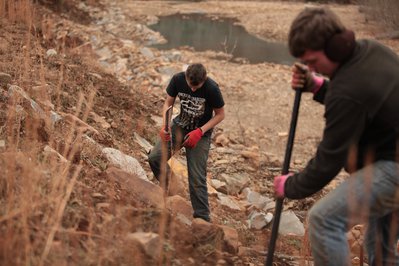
<point>201,109</point>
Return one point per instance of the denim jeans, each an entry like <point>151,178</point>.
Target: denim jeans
<point>197,158</point>
<point>369,196</point>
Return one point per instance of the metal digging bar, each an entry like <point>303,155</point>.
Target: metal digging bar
<point>286,165</point>
<point>166,149</point>
<point>168,116</point>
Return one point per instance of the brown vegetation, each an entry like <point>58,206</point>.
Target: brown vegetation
<point>50,182</point>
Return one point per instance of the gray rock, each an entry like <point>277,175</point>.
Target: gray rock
<point>125,162</point>
<point>147,52</point>
<point>4,79</point>
<point>51,52</point>
<point>258,220</point>
<point>150,242</point>
<point>290,224</point>
<point>143,143</point>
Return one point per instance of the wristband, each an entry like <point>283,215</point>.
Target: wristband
<point>318,82</point>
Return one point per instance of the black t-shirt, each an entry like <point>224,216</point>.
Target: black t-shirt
<point>196,108</point>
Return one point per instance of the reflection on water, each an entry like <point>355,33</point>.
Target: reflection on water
<point>203,33</point>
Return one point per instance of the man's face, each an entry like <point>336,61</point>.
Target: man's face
<point>317,61</point>
<point>196,87</point>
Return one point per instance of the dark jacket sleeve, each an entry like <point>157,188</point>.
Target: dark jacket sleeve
<point>345,121</point>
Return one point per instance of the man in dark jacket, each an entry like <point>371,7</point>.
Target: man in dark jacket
<point>201,109</point>
<point>360,92</point>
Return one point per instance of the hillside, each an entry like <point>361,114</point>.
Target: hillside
<point>81,96</point>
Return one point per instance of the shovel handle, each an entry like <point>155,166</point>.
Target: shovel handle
<point>286,165</point>
<point>168,115</point>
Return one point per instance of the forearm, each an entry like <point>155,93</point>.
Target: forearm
<point>213,122</point>
<point>168,102</point>
<point>345,122</point>
<point>312,179</point>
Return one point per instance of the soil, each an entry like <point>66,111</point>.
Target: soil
<point>258,111</point>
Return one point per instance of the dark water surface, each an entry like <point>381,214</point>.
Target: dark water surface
<point>204,33</point>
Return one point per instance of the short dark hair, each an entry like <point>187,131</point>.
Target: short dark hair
<point>196,74</point>
<point>311,29</point>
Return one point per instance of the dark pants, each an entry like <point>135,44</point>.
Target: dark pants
<point>197,158</point>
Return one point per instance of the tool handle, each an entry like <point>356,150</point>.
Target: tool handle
<point>286,165</point>
<point>291,134</point>
<point>168,115</point>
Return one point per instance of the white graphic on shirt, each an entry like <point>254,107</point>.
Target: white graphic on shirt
<point>192,109</point>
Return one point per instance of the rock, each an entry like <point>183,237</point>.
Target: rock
<point>149,242</point>
<point>15,91</point>
<point>178,205</point>
<point>97,195</point>
<point>173,56</point>
<point>282,134</point>
<point>125,162</point>
<point>228,202</point>
<point>219,185</point>
<point>221,162</point>
<point>256,199</point>
<point>235,182</point>
<point>254,156</point>
<point>221,140</point>
<point>95,75</point>
<point>178,178</point>
<point>143,143</point>
<point>100,120</point>
<point>231,241</point>
<point>290,224</point>
<point>104,53</point>
<point>141,190</point>
<point>4,79</point>
<point>167,71</point>
<point>53,154</point>
<point>51,52</point>
<point>207,233</point>
<point>259,220</point>
<point>147,52</point>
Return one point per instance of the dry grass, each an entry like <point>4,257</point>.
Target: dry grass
<point>47,213</point>
<point>16,10</point>
<point>36,186</point>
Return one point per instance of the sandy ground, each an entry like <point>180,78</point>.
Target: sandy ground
<point>258,96</point>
